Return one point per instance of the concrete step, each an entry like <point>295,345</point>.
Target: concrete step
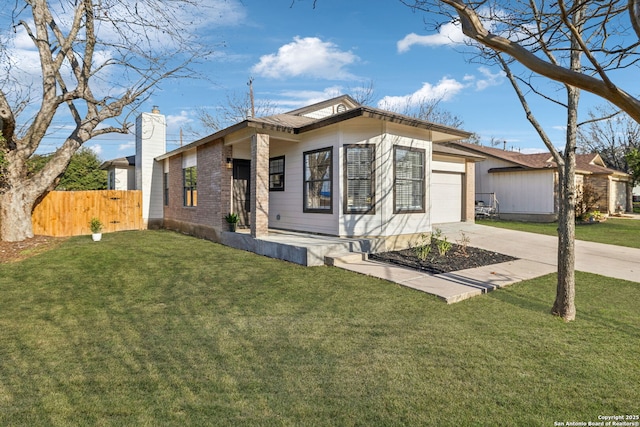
<point>345,258</point>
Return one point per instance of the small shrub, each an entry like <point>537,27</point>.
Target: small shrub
<point>436,234</point>
<point>444,246</point>
<point>423,247</point>
<point>463,243</point>
<point>232,218</point>
<point>95,225</point>
<point>587,199</point>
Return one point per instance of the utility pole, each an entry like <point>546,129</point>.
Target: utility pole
<point>253,106</point>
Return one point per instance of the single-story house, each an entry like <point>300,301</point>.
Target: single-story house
<point>121,173</point>
<point>525,185</point>
<point>335,168</point>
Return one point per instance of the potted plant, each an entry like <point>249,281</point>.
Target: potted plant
<point>232,220</point>
<point>96,229</point>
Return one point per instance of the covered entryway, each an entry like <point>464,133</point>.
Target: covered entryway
<point>242,191</point>
<point>446,197</point>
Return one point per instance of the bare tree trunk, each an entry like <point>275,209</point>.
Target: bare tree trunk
<point>564,305</point>
<point>16,206</point>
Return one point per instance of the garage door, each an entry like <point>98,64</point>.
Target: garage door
<point>446,197</point>
<point>620,195</point>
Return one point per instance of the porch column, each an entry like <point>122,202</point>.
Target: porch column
<point>259,185</point>
<point>469,195</point>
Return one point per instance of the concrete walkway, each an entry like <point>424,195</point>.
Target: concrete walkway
<point>537,255</point>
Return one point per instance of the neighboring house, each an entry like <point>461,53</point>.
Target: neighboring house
<point>121,173</point>
<point>525,185</point>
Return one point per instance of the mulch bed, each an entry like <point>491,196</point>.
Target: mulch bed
<point>458,258</point>
<point>15,251</point>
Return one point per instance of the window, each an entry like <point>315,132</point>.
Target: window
<point>359,185</point>
<point>166,188</point>
<point>276,174</point>
<point>112,180</point>
<point>318,181</point>
<point>190,176</point>
<point>408,189</point>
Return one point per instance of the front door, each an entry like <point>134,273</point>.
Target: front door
<point>242,190</point>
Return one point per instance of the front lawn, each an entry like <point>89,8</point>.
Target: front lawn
<point>156,328</point>
<point>613,231</point>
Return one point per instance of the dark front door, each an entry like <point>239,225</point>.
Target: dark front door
<point>242,190</point>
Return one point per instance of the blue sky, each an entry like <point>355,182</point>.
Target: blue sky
<point>297,55</point>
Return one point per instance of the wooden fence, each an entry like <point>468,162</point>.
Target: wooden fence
<point>67,213</point>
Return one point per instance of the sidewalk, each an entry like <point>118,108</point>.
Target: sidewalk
<point>537,257</point>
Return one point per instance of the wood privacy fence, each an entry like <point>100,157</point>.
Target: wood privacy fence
<point>67,213</point>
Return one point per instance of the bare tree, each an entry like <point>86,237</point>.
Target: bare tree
<point>526,30</point>
<point>100,60</point>
<point>610,133</point>
<point>237,108</point>
<point>550,40</point>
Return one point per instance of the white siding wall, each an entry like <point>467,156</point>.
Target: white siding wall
<point>524,192</point>
<point>397,224</point>
<point>288,204</point>
<point>150,143</point>
<point>517,192</point>
<point>448,164</point>
<point>121,178</point>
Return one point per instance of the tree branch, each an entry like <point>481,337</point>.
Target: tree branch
<point>634,15</point>
<point>473,28</point>
<point>532,119</point>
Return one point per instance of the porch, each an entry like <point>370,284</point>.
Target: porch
<point>299,248</point>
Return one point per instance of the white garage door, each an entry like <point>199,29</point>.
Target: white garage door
<point>446,197</point>
<point>620,195</point>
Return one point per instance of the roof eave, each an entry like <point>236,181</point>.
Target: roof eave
<point>372,113</point>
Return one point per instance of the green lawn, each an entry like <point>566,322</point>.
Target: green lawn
<point>156,328</point>
<point>614,231</point>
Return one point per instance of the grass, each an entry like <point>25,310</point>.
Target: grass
<point>620,232</point>
<point>156,328</point>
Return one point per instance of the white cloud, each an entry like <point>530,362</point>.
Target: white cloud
<point>179,120</point>
<point>444,90</point>
<point>308,57</point>
<point>96,148</point>
<point>448,34</point>
<point>488,78</point>
<point>533,150</point>
<point>127,146</point>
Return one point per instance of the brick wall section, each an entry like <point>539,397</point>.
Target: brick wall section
<point>469,190</point>
<point>259,185</point>
<point>213,185</point>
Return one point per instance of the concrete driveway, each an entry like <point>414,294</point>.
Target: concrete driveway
<point>607,260</point>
